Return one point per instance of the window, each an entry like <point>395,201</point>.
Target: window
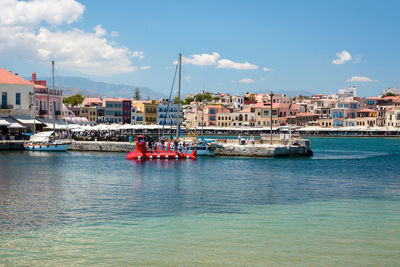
<point>4,98</point>
<point>18,99</point>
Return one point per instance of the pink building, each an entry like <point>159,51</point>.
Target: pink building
<point>43,99</point>
<point>92,102</point>
<point>211,112</point>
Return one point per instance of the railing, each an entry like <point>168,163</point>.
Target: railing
<point>3,106</point>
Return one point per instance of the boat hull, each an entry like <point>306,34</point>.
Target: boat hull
<point>201,152</point>
<point>141,153</point>
<point>47,147</point>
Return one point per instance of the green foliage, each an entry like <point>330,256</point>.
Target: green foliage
<point>136,95</point>
<point>74,100</point>
<point>389,94</point>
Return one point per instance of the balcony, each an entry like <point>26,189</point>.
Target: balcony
<point>42,112</point>
<point>58,112</point>
<point>4,106</point>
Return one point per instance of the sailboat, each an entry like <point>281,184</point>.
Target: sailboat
<point>201,146</point>
<point>46,141</point>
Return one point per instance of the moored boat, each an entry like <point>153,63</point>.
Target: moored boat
<point>44,141</point>
<point>202,147</point>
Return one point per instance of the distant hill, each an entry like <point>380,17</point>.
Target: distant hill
<point>72,85</point>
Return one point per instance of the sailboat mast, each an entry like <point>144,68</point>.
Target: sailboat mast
<point>202,114</point>
<point>54,108</point>
<point>179,95</point>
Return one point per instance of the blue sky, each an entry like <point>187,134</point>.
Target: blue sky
<point>228,46</point>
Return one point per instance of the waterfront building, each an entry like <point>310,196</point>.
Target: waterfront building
<point>100,114</point>
<point>224,119</point>
<point>393,117</point>
<point>43,100</point>
<point>149,110</point>
<point>366,117</point>
<point>16,94</point>
<point>117,110</point>
<point>89,113</point>
<point>305,119</point>
<point>92,102</point>
<point>323,107</point>
<point>326,123</point>
<point>169,117</point>
<point>344,109</point>
<point>211,112</point>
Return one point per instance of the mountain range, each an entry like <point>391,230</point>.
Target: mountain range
<point>72,85</point>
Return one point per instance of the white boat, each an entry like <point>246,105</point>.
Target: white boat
<point>44,141</point>
<point>203,148</point>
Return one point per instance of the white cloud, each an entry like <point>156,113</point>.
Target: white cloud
<point>201,59</point>
<point>145,67</point>
<point>23,35</point>
<point>343,57</point>
<point>246,80</point>
<point>267,69</point>
<point>99,31</point>
<point>262,78</point>
<point>187,78</point>
<point>114,34</point>
<point>229,64</point>
<point>360,79</point>
<point>213,59</point>
<point>30,13</point>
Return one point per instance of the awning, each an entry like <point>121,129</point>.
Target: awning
<point>27,120</point>
<point>6,121</point>
<point>15,125</point>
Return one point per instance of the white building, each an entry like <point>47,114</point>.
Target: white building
<point>349,92</point>
<point>168,113</point>
<point>16,94</point>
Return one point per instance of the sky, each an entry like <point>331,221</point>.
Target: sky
<point>227,46</point>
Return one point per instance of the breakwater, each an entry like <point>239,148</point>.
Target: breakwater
<point>224,149</point>
<point>101,146</point>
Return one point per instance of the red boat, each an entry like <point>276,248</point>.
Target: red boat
<point>142,153</point>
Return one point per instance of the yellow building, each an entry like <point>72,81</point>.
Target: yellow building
<point>89,113</point>
<point>149,110</point>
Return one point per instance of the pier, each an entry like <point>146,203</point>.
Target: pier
<point>226,147</point>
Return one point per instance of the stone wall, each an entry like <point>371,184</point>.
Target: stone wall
<point>101,146</point>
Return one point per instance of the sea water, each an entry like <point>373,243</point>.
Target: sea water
<point>339,207</point>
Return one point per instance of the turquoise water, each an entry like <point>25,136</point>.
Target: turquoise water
<point>340,207</point>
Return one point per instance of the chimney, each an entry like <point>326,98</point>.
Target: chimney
<point>34,77</point>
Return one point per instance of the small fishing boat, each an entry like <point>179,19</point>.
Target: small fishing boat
<point>44,141</point>
<point>141,152</point>
<point>202,147</point>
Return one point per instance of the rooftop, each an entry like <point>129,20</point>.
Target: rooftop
<point>7,77</point>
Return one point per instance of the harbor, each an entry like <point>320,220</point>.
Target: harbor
<point>93,209</point>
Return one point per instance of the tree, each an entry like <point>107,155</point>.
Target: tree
<point>74,100</point>
<point>389,94</point>
<point>136,95</point>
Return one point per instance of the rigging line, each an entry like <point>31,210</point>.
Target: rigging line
<point>169,99</point>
